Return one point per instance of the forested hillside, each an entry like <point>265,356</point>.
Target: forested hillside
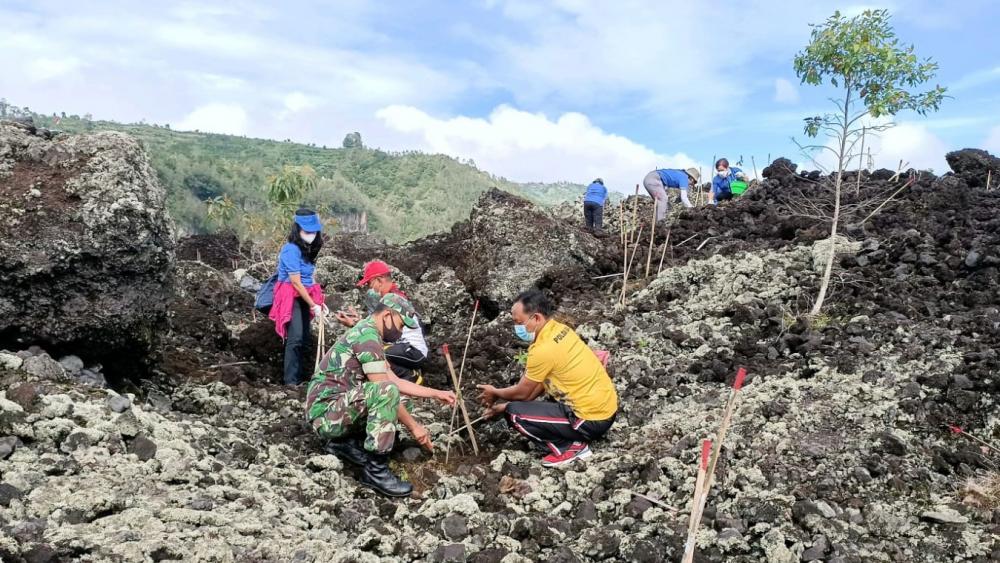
<point>404,195</point>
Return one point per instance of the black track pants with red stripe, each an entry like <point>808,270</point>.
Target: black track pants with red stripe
<point>553,425</point>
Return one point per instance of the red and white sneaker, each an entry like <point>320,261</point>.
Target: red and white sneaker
<point>573,453</point>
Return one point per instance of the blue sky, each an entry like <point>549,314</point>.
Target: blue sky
<point>530,90</point>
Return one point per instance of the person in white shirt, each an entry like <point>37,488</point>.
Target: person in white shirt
<point>409,352</point>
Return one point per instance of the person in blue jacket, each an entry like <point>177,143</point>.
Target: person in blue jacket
<point>297,297</point>
<point>593,205</point>
<point>724,176</point>
<point>657,182</point>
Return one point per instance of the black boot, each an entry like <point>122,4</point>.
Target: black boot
<point>349,450</point>
<point>376,475</point>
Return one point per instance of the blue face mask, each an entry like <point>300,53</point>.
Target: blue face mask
<point>521,332</point>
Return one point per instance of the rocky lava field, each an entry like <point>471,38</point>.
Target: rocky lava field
<point>141,417</point>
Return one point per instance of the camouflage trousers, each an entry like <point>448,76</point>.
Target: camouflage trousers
<point>375,403</point>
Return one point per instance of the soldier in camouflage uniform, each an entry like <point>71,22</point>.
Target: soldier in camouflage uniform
<point>355,385</point>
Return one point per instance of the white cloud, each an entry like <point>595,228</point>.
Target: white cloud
<point>974,79</point>
<point>297,101</point>
<point>229,119</point>
<point>912,143</point>
<point>524,146</point>
<point>658,58</point>
<point>992,142</point>
<point>785,92</point>
<point>47,68</point>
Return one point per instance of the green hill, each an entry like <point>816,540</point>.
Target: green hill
<point>405,195</point>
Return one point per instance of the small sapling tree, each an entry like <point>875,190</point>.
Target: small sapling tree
<point>876,77</point>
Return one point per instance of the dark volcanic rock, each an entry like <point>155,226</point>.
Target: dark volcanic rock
<point>973,166</point>
<point>101,245</point>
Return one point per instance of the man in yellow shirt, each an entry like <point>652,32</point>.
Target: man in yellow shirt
<point>562,365</point>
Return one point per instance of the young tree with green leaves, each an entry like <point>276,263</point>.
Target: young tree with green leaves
<point>876,76</point>
<point>286,190</point>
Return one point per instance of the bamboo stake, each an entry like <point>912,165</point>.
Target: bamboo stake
<point>659,503</point>
<point>459,401</point>
<point>989,175</point>
<point>477,421</point>
<point>621,220</point>
<point>754,162</point>
<point>624,265</point>
<point>635,212</point>
<point>628,266</point>
<point>652,235</point>
<point>883,204</point>
<point>663,255</point>
<point>229,364</point>
<point>461,371</point>
<point>687,239</point>
<point>699,485</point>
<point>720,437</point>
<point>320,343</point>
<point>959,430</point>
<point>857,189</point>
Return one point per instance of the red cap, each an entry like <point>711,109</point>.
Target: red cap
<point>373,269</point>
<point>706,448</point>
<point>741,374</point>
<point>444,349</point>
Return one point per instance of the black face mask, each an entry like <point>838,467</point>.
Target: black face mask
<point>390,333</point>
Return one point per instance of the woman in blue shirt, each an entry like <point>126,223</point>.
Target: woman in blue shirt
<point>297,297</point>
<point>724,176</point>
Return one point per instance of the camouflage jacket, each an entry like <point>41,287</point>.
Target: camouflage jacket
<point>358,352</point>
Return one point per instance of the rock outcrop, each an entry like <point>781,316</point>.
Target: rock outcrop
<point>86,246</point>
<point>975,167</point>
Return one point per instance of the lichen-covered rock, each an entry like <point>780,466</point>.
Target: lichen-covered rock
<point>506,246</point>
<point>85,263</point>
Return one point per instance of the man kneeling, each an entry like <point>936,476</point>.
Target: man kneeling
<point>355,393</point>
<point>562,365</point>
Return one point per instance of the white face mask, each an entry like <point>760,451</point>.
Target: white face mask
<point>308,238</point>
<point>723,173</point>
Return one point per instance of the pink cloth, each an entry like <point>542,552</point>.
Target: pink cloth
<point>284,300</point>
<point>603,356</point>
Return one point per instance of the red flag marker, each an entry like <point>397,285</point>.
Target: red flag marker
<point>741,374</point>
<point>706,449</point>
<point>444,349</point>
<point>955,429</point>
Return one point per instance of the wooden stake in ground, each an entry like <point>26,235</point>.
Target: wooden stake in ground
<point>720,436</point>
<point>635,212</point>
<point>621,221</point>
<point>474,422</point>
<point>652,235</point>
<point>628,265</point>
<point>989,175</point>
<point>663,254</point>
<point>320,343</point>
<point>754,162</point>
<point>459,401</point>
<point>699,486</point>
<point>857,188</point>
<point>461,370</point>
